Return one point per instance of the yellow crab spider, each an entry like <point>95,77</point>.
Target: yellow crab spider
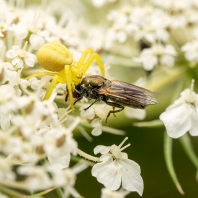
<point>57,59</point>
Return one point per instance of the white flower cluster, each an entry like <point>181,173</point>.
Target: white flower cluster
<point>154,27</point>
<point>140,23</point>
<point>32,131</point>
<point>157,55</point>
<point>96,114</point>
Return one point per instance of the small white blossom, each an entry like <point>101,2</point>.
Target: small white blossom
<point>39,86</point>
<point>96,114</point>
<point>38,39</point>
<point>175,5</point>
<point>20,57</point>
<point>157,55</point>
<point>5,20</point>
<point>37,177</point>
<point>142,23</point>
<point>20,31</point>
<point>182,115</point>
<point>88,114</point>
<point>149,26</point>
<point>106,193</point>
<point>96,123</point>
<point>139,114</point>
<point>66,178</point>
<point>59,145</point>
<point>102,2</point>
<point>115,169</point>
<point>37,114</point>
<point>70,175</point>
<point>20,151</point>
<point>97,38</point>
<point>191,50</point>
<point>7,105</point>
<point>6,169</point>
<point>101,110</point>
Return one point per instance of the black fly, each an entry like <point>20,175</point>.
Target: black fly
<point>115,93</point>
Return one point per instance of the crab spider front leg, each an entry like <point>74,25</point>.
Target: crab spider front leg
<point>70,85</point>
<point>52,86</point>
<point>84,66</point>
<point>42,74</point>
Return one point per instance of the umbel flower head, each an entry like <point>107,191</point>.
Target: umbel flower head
<point>182,115</point>
<point>115,168</point>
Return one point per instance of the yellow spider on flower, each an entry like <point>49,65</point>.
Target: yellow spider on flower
<point>59,62</point>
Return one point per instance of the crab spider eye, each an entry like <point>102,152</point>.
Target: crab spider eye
<point>54,56</point>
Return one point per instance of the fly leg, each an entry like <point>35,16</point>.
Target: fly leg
<point>121,108</point>
<point>98,99</point>
<point>78,100</point>
<point>114,113</point>
<point>94,95</point>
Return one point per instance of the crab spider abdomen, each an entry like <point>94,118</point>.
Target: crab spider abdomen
<point>54,56</point>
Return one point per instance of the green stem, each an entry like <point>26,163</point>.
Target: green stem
<point>185,140</point>
<point>169,162</point>
<point>11,192</point>
<point>13,184</point>
<point>79,159</point>
<point>40,193</point>
<point>149,124</point>
<point>59,192</point>
<point>87,156</point>
<point>164,78</point>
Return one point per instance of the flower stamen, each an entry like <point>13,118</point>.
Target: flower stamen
<point>123,142</point>
<point>125,147</point>
<point>192,85</point>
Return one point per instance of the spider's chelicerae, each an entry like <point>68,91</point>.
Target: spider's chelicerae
<point>59,62</point>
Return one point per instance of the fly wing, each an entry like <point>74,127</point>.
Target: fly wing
<point>129,94</point>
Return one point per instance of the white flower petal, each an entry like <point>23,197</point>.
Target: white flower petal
<point>139,114</point>
<point>5,121</point>
<point>30,61</point>
<point>106,193</point>
<point>36,41</point>
<point>101,149</point>
<point>97,167</point>
<point>194,124</point>
<point>177,120</point>
<point>96,122</point>
<point>167,60</point>
<point>97,3</point>
<point>106,157</point>
<point>59,161</point>
<point>89,113</point>
<point>97,131</point>
<point>131,163</point>
<point>17,62</point>
<point>131,178</point>
<point>11,54</point>
<point>149,63</point>
<point>109,174</point>
<point>116,169</point>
